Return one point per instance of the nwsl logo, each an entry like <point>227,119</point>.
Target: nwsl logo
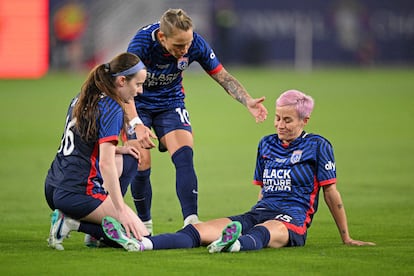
<point>182,63</point>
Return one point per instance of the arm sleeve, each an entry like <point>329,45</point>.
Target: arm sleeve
<point>258,172</point>
<point>326,168</point>
<point>207,58</point>
<point>110,124</point>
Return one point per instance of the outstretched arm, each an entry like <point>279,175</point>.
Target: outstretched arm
<point>234,88</point>
<point>334,201</point>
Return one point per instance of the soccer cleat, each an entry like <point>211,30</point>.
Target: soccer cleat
<point>93,242</point>
<point>228,237</point>
<point>60,228</point>
<point>191,219</point>
<point>148,225</point>
<point>116,232</point>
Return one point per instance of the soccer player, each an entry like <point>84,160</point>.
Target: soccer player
<point>291,168</point>
<point>90,172</point>
<point>167,49</point>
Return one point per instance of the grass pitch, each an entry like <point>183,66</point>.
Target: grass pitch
<point>367,114</point>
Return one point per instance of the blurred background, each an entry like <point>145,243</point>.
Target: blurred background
<point>39,36</point>
<point>355,57</point>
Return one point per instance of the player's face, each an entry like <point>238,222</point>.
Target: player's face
<point>133,87</point>
<point>288,124</point>
<point>178,43</point>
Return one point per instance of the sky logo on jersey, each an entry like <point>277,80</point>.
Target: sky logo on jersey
<point>182,63</point>
<point>296,155</point>
<point>330,166</point>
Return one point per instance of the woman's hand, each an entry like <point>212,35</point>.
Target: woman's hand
<point>144,136</point>
<point>257,109</point>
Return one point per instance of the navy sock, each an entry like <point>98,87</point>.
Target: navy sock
<point>255,239</point>
<point>188,237</point>
<point>186,180</point>
<point>96,231</point>
<point>141,191</point>
<point>129,169</point>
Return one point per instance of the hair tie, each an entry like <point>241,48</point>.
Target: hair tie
<point>107,67</point>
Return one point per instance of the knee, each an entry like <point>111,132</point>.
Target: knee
<point>144,161</point>
<point>279,234</point>
<point>183,157</point>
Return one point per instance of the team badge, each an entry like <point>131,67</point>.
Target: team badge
<point>296,155</point>
<point>182,63</point>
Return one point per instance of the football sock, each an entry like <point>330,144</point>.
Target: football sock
<point>129,169</point>
<point>96,231</point>
<point>188,237</point>
<point>186,180</point>
<point>141,191</point>
<point>255,239</point>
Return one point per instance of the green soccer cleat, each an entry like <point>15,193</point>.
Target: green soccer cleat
<point>228,237</point>
<point>115,231</point>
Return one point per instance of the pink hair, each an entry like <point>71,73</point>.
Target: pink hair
<point>302,102</point>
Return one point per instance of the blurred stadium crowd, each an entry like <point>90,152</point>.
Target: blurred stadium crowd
<point>300,33</point>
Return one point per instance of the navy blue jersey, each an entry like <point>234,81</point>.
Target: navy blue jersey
<point>291,176</point>
<point>163,86</point>
<point>76,165</point>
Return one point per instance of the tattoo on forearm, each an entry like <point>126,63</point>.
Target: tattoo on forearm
<point>232,86</point>
<point>340,206</point>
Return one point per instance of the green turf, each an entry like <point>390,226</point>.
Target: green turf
<point>367,114</point>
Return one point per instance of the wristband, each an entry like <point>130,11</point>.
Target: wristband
<point>134,122</point>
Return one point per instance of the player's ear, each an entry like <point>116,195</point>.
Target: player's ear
<point>120,81</point>
<point>305,120</point>
<point>160,36</point>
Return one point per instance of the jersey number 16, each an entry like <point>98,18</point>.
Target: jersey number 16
<point>67,144</point>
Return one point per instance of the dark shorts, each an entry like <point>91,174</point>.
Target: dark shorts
<point>78,205</point>
<point>74,205</point>
<point>165,121</point>
<point>258,216</point>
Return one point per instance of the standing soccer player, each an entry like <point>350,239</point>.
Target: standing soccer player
<point>167,48</point>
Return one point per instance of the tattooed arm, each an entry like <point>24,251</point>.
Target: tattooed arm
<point>234,88</point>
<point>334,201</point>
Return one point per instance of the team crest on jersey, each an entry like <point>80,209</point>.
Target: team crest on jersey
<point>182,63</point>
<point>296,155</point>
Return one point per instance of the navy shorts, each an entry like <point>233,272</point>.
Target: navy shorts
<point>258,216</point>
<point>165,121</point>
<point>77,205</point>
<point>74,205</point>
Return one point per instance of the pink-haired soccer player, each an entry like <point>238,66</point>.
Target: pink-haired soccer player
<point>292,167</point>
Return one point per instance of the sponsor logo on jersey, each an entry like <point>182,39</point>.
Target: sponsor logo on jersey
<point>277,180</point>
<point>330,166</point>
<point>277,160</point>
<point>161,79</point>
<point>296,155</point>
<point>182,63</point>
<point>162,66</point>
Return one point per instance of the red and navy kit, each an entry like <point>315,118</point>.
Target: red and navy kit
<point>163,87</point>
<point>76,165</point>
<point>291,177</point>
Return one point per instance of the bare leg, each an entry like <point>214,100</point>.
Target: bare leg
<point>211,230</point>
